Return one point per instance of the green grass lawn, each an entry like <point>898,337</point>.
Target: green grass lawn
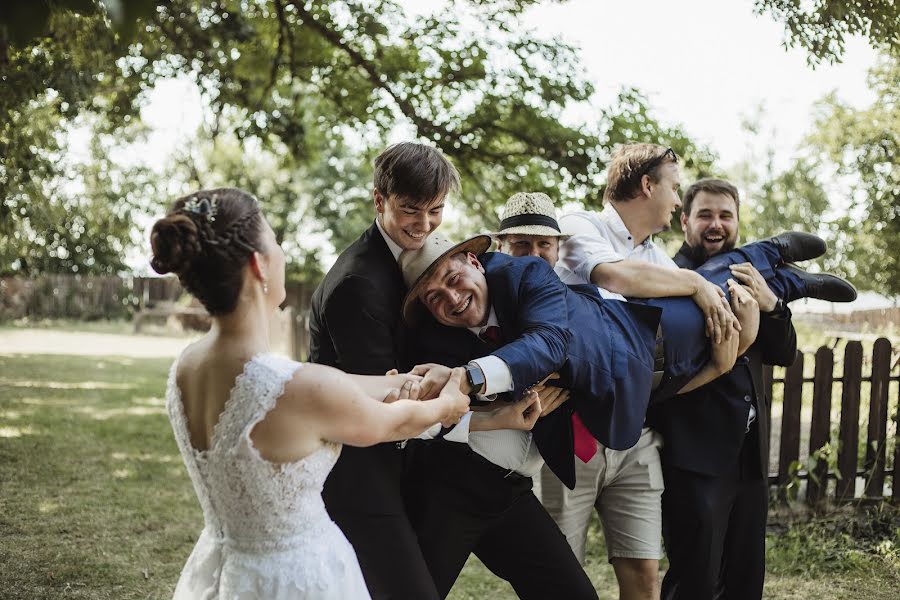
<point>95,502</point>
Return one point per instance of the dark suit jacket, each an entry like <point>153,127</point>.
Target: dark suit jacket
<point>354,322</point>
<point>705,429</point>
<point>354,325</point>
<point>603,351</point>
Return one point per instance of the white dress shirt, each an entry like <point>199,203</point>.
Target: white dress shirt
<point>600,238</point>
<point>508,448</point>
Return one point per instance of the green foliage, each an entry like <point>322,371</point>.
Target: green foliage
<point>315,88</point>
<point>823,26</point>
<point>843,184</point>
<point>864,542</point>
<point>862,147</point>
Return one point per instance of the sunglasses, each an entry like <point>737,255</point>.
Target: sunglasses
<point>669,153</point>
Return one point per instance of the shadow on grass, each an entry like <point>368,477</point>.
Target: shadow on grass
<point>95,501</point>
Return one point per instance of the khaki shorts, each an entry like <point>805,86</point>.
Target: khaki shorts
<point>625,486</point>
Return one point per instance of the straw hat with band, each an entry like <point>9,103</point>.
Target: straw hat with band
<point>419,265</point>
<point>529,213</point>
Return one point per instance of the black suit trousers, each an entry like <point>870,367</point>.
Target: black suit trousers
<point>472,505</point>
<point>714,528</point>
<point>373,518</point>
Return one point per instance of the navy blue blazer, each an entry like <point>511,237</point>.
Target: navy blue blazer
<point>602,349</point>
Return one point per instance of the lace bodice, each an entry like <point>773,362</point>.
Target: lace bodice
<point>247,501</point>
<point>266,533</point>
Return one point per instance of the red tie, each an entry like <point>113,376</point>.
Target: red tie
<point>585,444</point>
<point>491,335</point>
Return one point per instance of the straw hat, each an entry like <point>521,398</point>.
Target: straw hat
<point>418,265</point>
<point>529,213</point>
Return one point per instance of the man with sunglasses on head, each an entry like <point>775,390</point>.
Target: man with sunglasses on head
<point>614,250</point>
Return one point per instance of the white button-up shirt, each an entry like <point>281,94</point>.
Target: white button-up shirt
<point>511,449</point>
<point>600,238</point>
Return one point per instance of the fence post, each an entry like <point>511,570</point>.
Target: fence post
<point>820,427</point>
<point>789,449</point>
<point>878,414</point>
<point>849,434</point>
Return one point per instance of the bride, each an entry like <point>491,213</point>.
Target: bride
<point>259,433</point>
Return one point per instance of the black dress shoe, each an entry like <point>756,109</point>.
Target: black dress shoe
<point>797,245</point>
<point>824,286</point>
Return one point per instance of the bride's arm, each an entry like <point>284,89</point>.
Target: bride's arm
<point>341,410</point>
<point>379,386</point>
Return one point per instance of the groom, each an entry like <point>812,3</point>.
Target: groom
<point>355,326</point>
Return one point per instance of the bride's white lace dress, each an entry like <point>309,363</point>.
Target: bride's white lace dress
<point>266,533</point>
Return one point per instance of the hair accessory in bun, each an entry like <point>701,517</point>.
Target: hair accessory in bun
<point>205,207</point>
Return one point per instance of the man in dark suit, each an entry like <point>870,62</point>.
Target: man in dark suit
<point>715,457</point>
<point>524,323</point>
<point>355,326</point>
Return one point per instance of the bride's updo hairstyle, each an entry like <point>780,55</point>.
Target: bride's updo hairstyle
<point>206,239</point>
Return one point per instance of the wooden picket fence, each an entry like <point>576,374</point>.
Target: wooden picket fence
<point>844,467</point>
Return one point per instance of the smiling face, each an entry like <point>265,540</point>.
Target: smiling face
<point>408,223</point>
<point>712,224</point>
<point>663,196</point>
<point>543,246</point>
<point>457,293</point>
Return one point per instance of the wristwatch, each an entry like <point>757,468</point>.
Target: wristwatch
<point>475,377</point>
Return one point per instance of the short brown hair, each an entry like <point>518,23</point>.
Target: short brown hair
<point>628,166</point>
<point>207,239</point>
<point>710,186</point>
<point>415,172</point>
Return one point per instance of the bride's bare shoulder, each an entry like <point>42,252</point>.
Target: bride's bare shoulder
<point>315,382</point>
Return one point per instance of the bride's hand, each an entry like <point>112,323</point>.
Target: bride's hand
<point>408,391</point>
<point>435,377</point>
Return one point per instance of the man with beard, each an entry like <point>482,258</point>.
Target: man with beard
<point>715,456</point>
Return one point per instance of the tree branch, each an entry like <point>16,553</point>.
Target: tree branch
<point>425,126</point>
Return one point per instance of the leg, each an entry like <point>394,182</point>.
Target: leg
<point>638,578</point>
<point>630,510</point>
<point>388,554</point>
<point>526,548</point>
<point>463,495</point>
<point>696,509</point>
<point>788,282</point>
<point>744,560</point>
<point>378,528</point>
<point>572,509</point>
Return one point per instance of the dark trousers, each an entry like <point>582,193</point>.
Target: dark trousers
<point>683,325</point>
<point>471,505</point>
<point>365,497</point>
<point>714,529</point>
